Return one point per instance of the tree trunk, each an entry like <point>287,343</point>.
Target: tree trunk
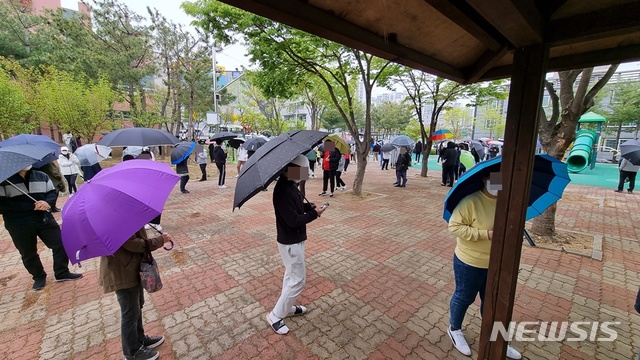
<point>363,159</point>
<point>425,163</point>
<point>544,224</point>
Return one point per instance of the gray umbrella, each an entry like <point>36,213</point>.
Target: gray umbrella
<point>479,148</point>
<point>387,147</point>
<point>254,143</point>
<point>138,137</point>
<point>17,157</point>
<point>223,135</point>
<point>268,161</point>
<point>402,140</point>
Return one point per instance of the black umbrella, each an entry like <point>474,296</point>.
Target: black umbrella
<point>476,144</point>
<point>254,144</point>
<point>223,135</point>
<point>269,160</point>
<point>402,140</point>
<point>387,147</point>
<point>235,143</point>
<point>138,137</point>
<point>181,152</point>
<point>630,150</point>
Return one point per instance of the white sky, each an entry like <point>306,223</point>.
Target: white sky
<point>230,57</point>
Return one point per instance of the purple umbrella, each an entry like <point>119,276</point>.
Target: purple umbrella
<point>112,206</point>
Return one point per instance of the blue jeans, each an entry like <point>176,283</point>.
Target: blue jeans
<point>470,281</point>
<point>401,177</point>
<point>131,331</point>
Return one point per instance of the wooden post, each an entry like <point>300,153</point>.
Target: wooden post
<point>529,71</point>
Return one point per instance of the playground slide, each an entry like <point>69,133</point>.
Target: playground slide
<point>580,154</point>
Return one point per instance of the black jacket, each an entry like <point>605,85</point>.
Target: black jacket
<point>219,156</point>
<point>292,213</point>
<point>403,162</point>
<point>449,156</point>
<point>17,208</point>
<point>334,159</point>
<point>418,148</point>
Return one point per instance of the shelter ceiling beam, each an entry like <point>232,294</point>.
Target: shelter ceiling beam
<point>612,21</point>
<point>308,18</point>
<point>484,63</point>
<point>525,23</point>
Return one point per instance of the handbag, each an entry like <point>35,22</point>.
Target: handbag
<point>149,273</point>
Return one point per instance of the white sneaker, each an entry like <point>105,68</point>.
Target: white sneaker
<point>459,342</point>
<point>222,186</point>
<point>147,227</point>
<point>513,353</point>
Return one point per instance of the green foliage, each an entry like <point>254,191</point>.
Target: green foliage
<point>624,106</point>
<point>413,129</point>
<point>456,120</point>
<point>76,103</point>
<point>493,121</point>
<point>390,117</point>
<point>16,113</point>
<point>332,120</point>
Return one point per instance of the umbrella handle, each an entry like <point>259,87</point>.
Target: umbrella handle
<point>166,248</point>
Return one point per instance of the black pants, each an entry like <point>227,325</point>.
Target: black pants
<point>25,239</point>
<point>328,176</point>
<point>221,170</point>
<point>312,166</point>
<point>418,157</point>
<point>339,181</point>
<point>131,301</point>
<point>184,179</point>
<point>203,169</point>
<point>448,175</point>
<point>71,183</point>
<point>632,179</point>
<point>385,164</point>
<point>346,164</point>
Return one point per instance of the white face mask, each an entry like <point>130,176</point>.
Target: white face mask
<point>487,184</point>
<point>28,168</point>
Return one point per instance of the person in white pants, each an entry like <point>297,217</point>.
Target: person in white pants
<point>292,216</point>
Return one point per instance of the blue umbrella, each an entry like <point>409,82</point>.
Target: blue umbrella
<point>37,140</point>
<point>550,178</point>
<point>181,152</point>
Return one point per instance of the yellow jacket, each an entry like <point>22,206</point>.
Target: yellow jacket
<point>470,222</point>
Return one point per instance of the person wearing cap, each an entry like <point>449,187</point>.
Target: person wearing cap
<point>292,217</point>
<point>70,165</point>
<point>27,219</point>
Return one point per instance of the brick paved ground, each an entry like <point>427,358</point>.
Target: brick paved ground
<point>379,282</point>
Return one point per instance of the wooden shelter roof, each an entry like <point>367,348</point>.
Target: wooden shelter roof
<point>472,40</point>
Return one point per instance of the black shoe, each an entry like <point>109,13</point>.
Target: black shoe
<point>152,342</point>
<point>630,191</point>
<point>202,180</point>
<point>443,184</point>
<point>185,191</point>
<point>39,284</point>
<point>68,277</point>
<point>144,354</point>
<point>396,185</point>
<point>617,190</point>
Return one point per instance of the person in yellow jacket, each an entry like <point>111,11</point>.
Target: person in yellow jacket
<point>472,224</point>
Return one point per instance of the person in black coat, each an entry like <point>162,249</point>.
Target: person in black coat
<point>402,165</point>
<point>220,158</point>
<point>330,162</point>
<point>418,150</point>
<point>449,158</point>
<point>292,217</point>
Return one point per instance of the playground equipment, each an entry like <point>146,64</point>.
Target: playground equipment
<point>585,148</point>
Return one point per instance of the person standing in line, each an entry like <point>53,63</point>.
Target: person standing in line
<point>352,149</point>
<point>346,163</point>
<point>182,169</point>
<point>54,172</point>
<point>627,171</point>
<point>402,165</point>
<point>292,217</point>
<point>449,158</point>
<point>472,224</point>
<point>201,159</point>
<point>418,151</point>
<point>70,166</point>
<point>376,151</point>
<point>312,156</point>
<point>242,158</point>
<point>220,158</point>
<point>330,161</point>
<point>66,138</point>
<point>211,148</point>
<point>27,220</point>
<point>340,185</point>
<point>386,155</point>
<point>119,273</point>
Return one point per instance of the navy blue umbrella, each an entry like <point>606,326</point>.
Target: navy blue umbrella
<point>402,140</point>
<point>38,140</point>
<point>17,157</point>
<point>223,135</point>
<point>236,142</point>
<point>181,152</point>
<point>550,178</point>
<point>254,144</point>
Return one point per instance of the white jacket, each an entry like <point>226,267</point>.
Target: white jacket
<point>242,154</point>
<point>69,166</point>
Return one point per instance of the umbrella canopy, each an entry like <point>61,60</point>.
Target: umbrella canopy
<point>442,134</point>
<point>254,144</point>
<point>477,145</point>
<point>402,140</point>
<point>38,140</point>
<point>387,147</point>
<point>340,143</point>
<point>132,150</point>
<point>235,142</point>
<point>550,178</point>
<point>181,152</point>
<point>495,142</point>
<point>139,137</point>
<point>269,160</point>
<point>350,141</point>
<point>112,206</point>
<point>467,159</point>
<point>630,150</point>
<point>92,154</point>
<point>223,135</point>
<point>17,157</point>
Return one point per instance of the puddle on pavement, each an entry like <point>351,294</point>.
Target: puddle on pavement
<point>179,257</point>
<point>6,279</point>
<point>194,215</point>
<point>32,298</point>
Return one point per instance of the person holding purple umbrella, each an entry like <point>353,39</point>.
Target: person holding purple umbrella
<point>119,273</point>
<point>26,210</point>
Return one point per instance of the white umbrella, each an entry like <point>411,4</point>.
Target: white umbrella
<point>495,142</point>
<point>91,154</point>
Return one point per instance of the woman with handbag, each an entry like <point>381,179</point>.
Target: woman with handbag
<point>120,272</point>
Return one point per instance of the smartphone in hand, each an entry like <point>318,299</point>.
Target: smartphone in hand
<point>324,206</point>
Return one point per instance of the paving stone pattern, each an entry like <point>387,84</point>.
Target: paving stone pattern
<point>379,281</point>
